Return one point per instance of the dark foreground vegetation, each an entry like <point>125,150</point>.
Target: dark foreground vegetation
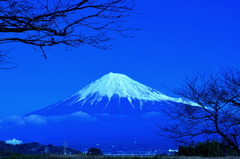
<point>32,148</point>
<point>109,157</point>
<point>207,149</point>
<point>212,149</point>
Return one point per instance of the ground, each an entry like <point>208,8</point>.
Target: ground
<point>110,157</point>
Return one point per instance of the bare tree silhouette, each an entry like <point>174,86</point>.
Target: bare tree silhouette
<point>70,22</point>
<point>217,113</point>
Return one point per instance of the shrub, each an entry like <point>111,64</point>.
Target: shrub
<point>94,151</point>
<point>206,149</point>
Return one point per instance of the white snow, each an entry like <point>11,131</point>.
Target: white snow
<point>123,86</point>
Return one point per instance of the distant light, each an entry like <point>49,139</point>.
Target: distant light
<point>172,151</point>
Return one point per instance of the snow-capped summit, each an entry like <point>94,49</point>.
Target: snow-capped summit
<point>121,85</point>
<point>112,93</point>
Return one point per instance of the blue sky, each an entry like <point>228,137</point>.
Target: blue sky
<point>176,39</point>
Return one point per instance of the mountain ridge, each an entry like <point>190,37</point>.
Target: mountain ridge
<point>112,91</point>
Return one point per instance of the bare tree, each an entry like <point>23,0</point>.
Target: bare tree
<point>217,114</point>
<point>43,23</point>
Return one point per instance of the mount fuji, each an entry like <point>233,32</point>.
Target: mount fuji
<point>113,93</point>
<point>114,113</point>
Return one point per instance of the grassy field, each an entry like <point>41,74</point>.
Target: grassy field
<point>109,157</point>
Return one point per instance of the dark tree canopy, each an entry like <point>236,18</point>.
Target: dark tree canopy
<point>217,115</point>
<point>94,151</point>
<point>43,23</point>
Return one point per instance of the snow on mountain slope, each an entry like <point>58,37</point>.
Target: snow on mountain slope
<point>119,84</point>
<point>112,93</point>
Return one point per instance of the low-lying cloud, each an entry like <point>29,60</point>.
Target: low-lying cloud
<point>16,120</point>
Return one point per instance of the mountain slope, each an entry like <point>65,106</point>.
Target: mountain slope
<point>113,93</point>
